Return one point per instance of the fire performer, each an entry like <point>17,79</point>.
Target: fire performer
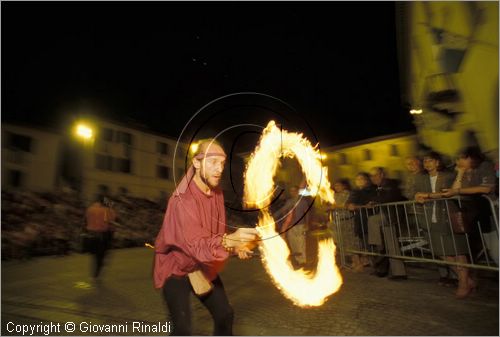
<point>192,245</point>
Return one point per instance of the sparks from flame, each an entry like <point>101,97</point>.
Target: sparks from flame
<point>303,288</point>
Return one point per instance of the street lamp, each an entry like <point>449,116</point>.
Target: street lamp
<point>83,131</point>
<point>84,134</point>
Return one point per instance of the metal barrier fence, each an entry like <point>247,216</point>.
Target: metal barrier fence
<point>459,231</point>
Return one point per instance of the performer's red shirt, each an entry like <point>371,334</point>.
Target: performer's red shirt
<point>191,235</point>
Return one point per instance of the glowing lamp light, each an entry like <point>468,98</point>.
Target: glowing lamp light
<point>324,156</point>
<point>84,131</point>
<point>194,147</point>
<point>416,111</point>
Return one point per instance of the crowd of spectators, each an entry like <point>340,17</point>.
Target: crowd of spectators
<point>36,224</point>
<point>428,185</point>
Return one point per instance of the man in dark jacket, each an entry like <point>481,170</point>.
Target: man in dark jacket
<point>383,228</point>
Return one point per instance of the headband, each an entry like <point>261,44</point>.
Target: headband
<point>209,154</point>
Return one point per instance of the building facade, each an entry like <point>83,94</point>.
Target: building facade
<point>346,160</point>
<point>31,158</point>
<point>123,160</point>
<point>390,151</point>
<point>116,160</point>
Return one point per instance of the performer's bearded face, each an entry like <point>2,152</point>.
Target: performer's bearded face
<point>211,167</point>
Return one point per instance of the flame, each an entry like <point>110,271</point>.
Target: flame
<point>303,288</point>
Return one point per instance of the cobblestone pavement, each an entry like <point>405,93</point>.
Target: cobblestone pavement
<point>47,290</point>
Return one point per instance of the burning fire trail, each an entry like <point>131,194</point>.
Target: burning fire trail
<point>303,288</point>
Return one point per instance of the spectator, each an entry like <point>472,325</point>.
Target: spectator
<point>360,197</point>
<point>414,172</point>
<point>342,189</point>
<point>381,226</point>
<point>414,169</point>
<point>282,215</point>
<point>476,177</point>
<point>295,225</point>
<point>444,243</point>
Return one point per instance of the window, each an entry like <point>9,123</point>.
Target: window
<point>107,134</point>
<point>103,162</point>
<point>15,178</point>
<point>20,142</point>
<point>124,137</point>
<point>342,159</point>
<point>367,154</point>
<point>163,172</point>
<point>122,165</point>
<point>162,148</point>
<point>394,150</point>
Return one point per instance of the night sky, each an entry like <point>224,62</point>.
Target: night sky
<point>159,62</point>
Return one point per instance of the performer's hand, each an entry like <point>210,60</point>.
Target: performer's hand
<point>242,237</point>
<point>244,253</point>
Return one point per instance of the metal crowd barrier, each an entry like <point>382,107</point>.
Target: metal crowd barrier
<point>421,232</point>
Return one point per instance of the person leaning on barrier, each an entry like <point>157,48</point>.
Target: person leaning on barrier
<point>342,189</point>
<point>444,243</point>
<point>414,170</point>
<point>358,199</point>
<point>475,178</point>
<point>382,226</point>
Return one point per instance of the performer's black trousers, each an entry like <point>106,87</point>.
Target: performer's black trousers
<point>176,292</point>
